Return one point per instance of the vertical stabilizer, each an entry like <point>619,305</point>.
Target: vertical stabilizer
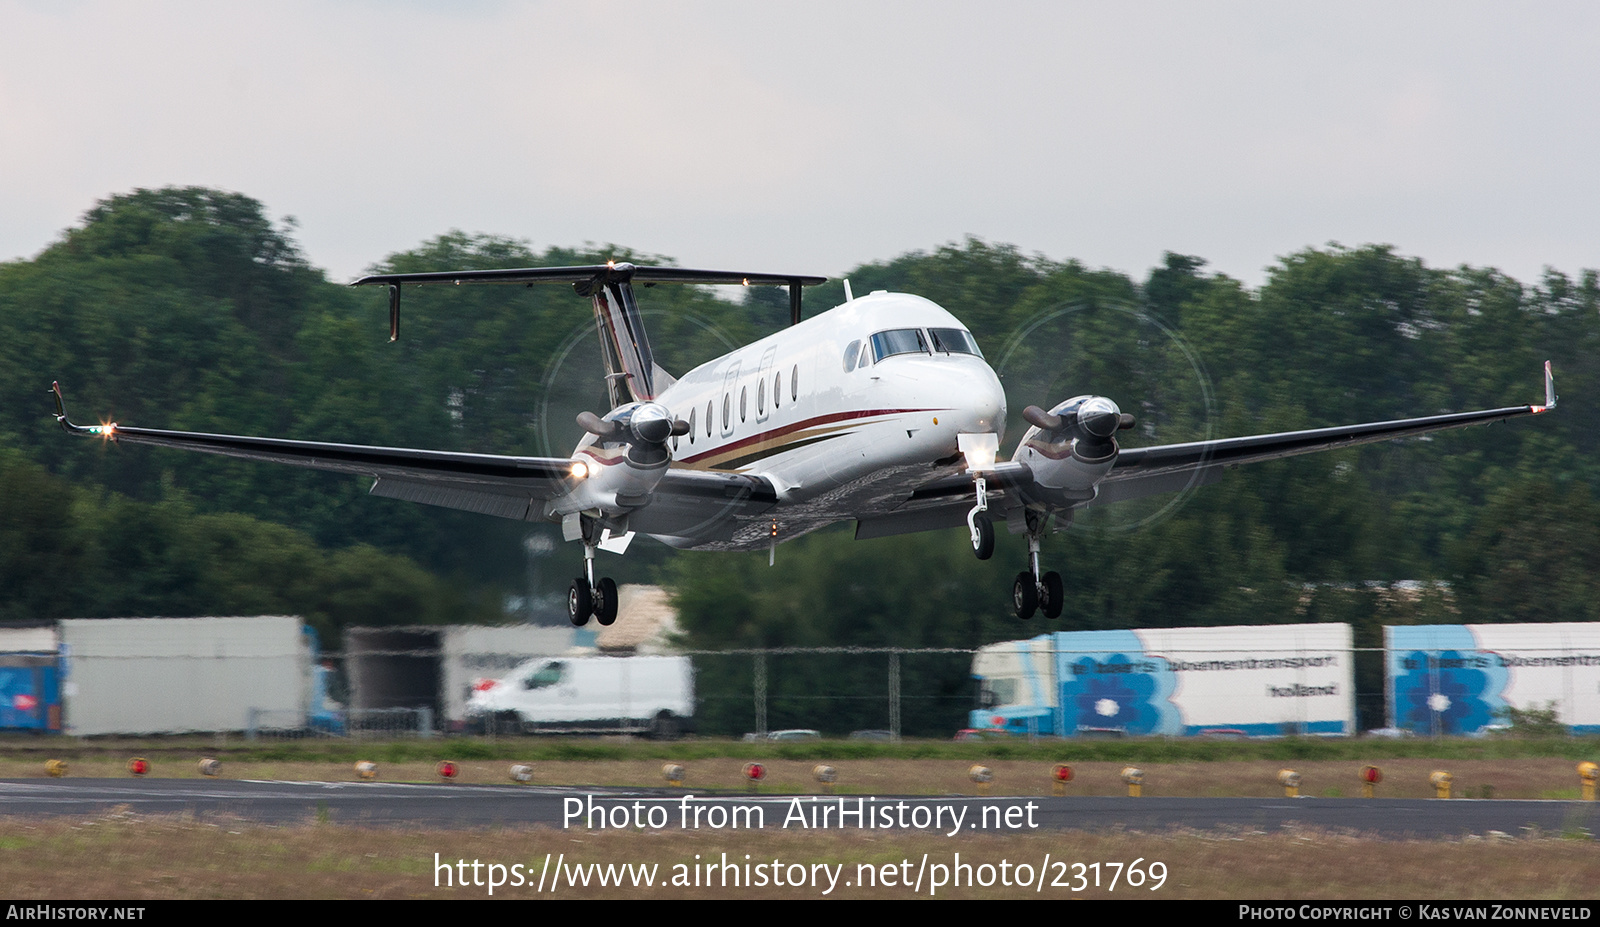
<point>630,367</point>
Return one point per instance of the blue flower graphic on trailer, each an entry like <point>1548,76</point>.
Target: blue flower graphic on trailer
<point>1445,692</point>
<point>1110,693</point>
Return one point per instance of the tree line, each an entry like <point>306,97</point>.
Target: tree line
<point>187,308</point>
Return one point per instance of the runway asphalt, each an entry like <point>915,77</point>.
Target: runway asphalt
<point>455,806</point>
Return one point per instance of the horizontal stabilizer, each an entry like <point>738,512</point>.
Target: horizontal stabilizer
<point>605,273</point>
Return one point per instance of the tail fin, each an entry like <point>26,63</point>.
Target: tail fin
<point>630,367</point>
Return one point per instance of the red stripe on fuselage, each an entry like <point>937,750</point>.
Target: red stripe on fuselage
<point>798,426</point>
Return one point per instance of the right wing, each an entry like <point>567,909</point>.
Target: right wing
<point>1148,471</point>
<point>486,483</point>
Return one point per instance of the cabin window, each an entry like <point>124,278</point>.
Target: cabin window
<point>954,341</point>
<point>851,352</point>
<point>761,398</point>
<point>794,383</point>
<point>898,341</point>
<point>744,392</point>
<point>777,388</point>
<point>727,411</point>
<point>691,427</point>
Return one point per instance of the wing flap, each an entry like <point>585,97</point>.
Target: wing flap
<point>500,505</point>
<point>1139,485</point>
<point>704,504</point>
<point>909,522</point>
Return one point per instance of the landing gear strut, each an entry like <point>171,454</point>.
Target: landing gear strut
<point>981,527</point>
<point>588,597</point>
<point>1032,592</point>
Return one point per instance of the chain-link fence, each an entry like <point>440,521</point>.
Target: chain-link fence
<point>354,723</point>
<point>874,693</point>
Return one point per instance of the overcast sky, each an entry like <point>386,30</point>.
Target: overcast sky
<point>808,138</point>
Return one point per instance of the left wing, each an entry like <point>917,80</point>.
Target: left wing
<point>1148,471</point>
<point>712,504</point>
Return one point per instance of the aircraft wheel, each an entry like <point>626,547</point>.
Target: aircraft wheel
<point>579,603</point>
<point>1025,595</point>
<point>1050,595</point>
<point>605,601</point>
<point>984,545</point>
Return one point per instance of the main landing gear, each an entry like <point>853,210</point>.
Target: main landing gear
<point>1030,592</point>
<point>587,597</point>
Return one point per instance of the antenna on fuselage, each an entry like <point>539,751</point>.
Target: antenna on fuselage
<point>848,296</point>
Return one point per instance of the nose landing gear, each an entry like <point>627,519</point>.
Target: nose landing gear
<point>982,529</point>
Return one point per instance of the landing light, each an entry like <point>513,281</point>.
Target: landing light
<point>579,470</point>
<point>980,450</point>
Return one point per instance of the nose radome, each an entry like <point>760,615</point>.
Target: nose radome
<point>980,400</point>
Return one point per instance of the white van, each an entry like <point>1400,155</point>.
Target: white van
<point>654,694</point>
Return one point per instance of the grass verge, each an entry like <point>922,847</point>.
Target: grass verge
<point>130,857</point>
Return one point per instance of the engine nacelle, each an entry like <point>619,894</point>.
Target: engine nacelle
<point>621,460</point>
<point>1071,447</point>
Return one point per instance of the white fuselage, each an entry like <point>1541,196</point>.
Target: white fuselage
<point>794,409</point>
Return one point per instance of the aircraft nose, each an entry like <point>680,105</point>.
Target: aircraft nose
<point>982,401</point>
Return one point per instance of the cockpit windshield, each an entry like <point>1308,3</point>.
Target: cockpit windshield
<point>898,341</point>
<point>954,341</point>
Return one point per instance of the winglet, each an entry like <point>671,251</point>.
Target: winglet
<point>1549,391</point>
<point>106,431</point>
<point>61,409</point>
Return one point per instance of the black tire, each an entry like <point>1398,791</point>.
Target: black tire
<point>1025,595</point>
<point>984,548</point>
<point>1050,601</point>
<point>580,605</point>
<point>605,601</point>
<point>664,727</point>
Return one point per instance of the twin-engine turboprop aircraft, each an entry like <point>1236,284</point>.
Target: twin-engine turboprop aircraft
<point>882,411</point>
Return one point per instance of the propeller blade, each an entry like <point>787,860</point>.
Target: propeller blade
<point>597,426</point>
<point>1039,418</point>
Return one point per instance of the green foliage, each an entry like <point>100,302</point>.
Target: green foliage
<point>188,308</point>
<point>1533,721</point>
<point>70,552</point>
<point>1497,523</point>
<point>920,591</point>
